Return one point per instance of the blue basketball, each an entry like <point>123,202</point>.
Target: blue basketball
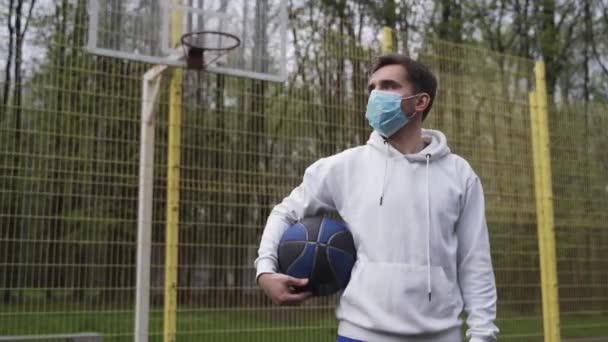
<point>320,249</point>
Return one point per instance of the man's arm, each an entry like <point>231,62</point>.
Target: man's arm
<point>475,273</point>
<point>311,197</point>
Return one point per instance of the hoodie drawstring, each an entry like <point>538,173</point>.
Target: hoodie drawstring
<point>428,212</point>
<point>428,226</point>
<point>385,171</point>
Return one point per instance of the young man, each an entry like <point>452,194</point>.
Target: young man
<point>416,212</point>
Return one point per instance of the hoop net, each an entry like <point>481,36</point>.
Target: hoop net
<point>215,44</point>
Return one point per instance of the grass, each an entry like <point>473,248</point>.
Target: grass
<point>238,325</point>
<point>572,326</point>
<point>217,325</point>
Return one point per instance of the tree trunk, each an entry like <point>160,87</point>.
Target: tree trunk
<point>9,60</point>
<point>588,19</point>
<point>450,29</point>
<point>8,222</point>
<point>18,33</point>
<point>549,48</point>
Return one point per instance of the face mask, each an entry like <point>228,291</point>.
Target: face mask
<point>384,112</point>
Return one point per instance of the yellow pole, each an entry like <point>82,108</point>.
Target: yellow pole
<point>540,217</point>
<point>544,205</point>
<point>387,40</point>
<point>173,173</point>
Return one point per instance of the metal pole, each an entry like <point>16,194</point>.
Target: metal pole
<point>151,85</point>
<point>544,205</point>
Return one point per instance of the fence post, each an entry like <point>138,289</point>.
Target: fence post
<point>173,190</point>
<point>544,204</point>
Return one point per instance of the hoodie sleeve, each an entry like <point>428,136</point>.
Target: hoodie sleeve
<point>475,273</point>
<point>311,197</point>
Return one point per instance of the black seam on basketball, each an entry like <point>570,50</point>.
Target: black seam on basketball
<point>339,250</point>
<point>314,257</point>
<point>299,255</point>
<point>293,242</point>
<point>333,270</point>
<point>332,237</point>
<point>320,231</point>
<point>345,233</point>
<point>314,262</point>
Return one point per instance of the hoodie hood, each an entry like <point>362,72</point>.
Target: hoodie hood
<point>436,146</point>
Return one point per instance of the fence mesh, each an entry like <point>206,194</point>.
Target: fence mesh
<point>580,187</point>
<point>69,152</point>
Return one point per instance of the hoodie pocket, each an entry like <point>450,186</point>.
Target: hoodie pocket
<point>394,297</point>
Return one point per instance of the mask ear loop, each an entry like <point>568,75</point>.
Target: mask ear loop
<point>413,115</point>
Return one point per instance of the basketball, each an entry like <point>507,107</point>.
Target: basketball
<point>320,249</point>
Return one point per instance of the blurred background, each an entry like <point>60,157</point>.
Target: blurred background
<point>70,148</point>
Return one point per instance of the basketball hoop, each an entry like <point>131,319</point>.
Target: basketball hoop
<point>196,44</point>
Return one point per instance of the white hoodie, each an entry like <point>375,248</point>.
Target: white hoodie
<point>418,222</point>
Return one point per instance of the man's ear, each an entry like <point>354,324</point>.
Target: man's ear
<point>422,102</point>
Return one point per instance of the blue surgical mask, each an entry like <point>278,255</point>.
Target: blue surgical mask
<point>384,112</point>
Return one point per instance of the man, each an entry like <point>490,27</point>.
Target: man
<point>416,212</point>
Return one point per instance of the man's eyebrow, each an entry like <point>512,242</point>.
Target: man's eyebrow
<point>389,82</point>
<point>383,83</point>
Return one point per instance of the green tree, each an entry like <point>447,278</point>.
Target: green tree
<point>12,126</point>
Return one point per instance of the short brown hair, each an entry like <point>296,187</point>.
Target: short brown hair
<point>418,74</point>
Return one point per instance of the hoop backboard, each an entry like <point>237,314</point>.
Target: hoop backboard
<point>149,30</point>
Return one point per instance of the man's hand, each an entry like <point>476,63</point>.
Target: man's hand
<point>282,289</point>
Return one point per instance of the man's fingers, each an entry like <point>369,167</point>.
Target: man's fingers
<point>294,298</point>
<point>297,281</point>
